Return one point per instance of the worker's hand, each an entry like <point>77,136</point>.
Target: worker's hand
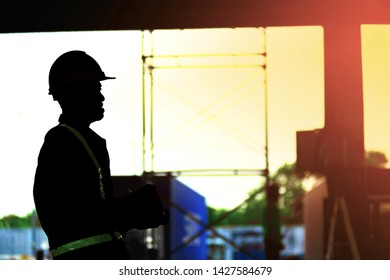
<point>143,209</point>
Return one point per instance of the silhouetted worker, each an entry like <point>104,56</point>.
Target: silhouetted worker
<point>72,189</point>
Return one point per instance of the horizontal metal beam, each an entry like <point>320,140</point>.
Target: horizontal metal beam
<point>88,15</point>
<point>212,172</point>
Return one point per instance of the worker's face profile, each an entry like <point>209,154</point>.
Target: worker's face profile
<point>88,100</point>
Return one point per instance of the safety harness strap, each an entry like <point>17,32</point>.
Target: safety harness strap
<point>91,154</point>
<point>85,242</point>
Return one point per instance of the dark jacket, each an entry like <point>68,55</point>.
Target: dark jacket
<point>69,201</point>
<point>66,187</point>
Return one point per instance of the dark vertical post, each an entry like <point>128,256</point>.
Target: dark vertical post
<point>271,220</point>
<point>344,126</point>
<point>342,153</point>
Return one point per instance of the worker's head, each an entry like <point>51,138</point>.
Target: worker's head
<point>74,81</point>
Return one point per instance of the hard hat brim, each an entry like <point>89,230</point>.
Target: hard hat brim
<point>108,78</point>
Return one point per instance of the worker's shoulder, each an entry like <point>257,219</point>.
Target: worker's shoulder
<point>60,134</point>
<point>57,131</point>
<point>58,142</point>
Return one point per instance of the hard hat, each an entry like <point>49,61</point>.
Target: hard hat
<point>72,68</point>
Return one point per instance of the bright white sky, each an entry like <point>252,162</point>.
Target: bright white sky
<point>204,118</point>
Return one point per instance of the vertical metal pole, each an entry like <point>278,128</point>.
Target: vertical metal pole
<point>266,107</point>
<point>272,223</point>
<point>151,69</point>
<point>143,102</point>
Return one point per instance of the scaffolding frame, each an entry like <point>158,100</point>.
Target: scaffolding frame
<point>149,66</point>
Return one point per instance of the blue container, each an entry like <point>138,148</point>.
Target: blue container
<point>188,216</point>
